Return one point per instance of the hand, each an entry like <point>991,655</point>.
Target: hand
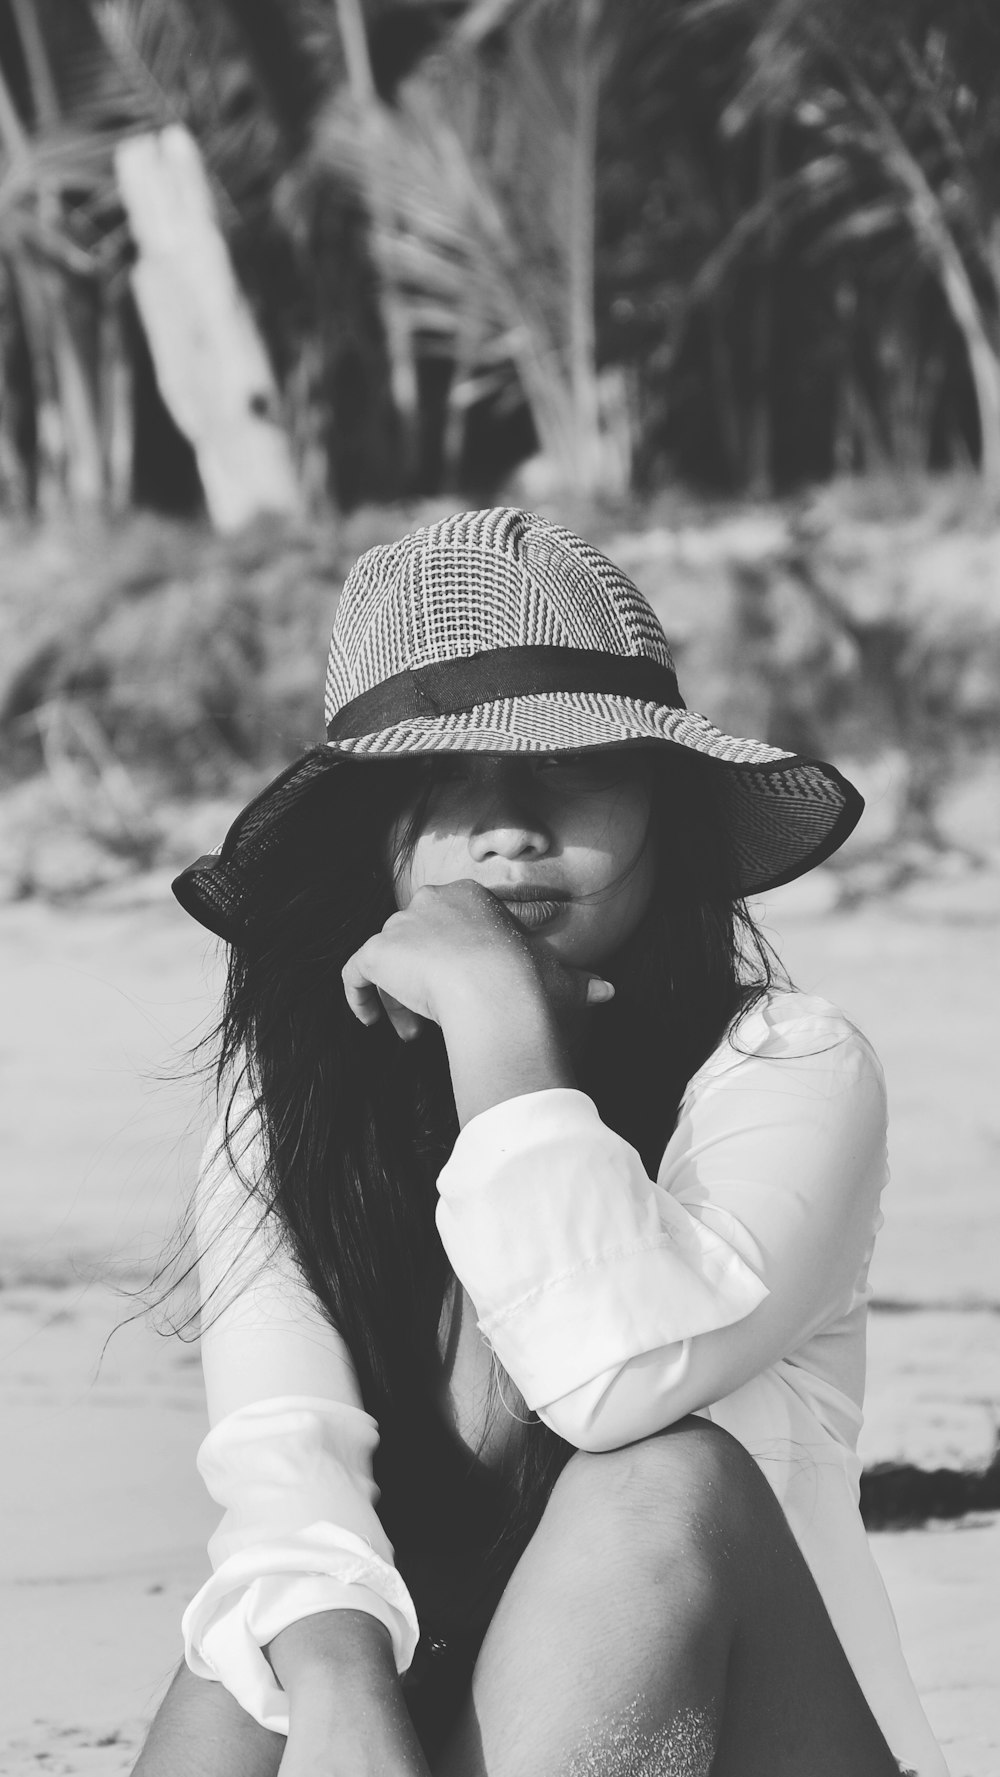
<point>450,942</point>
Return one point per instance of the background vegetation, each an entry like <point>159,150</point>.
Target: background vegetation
<point>667,268</point>
<point>747,243</point>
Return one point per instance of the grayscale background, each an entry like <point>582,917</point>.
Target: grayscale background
<point>715,283</point>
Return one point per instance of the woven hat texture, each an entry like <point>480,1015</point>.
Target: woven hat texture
<point>478,582</point>
<point>498,631</point>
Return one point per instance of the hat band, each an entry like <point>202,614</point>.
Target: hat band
<point>449,687</point>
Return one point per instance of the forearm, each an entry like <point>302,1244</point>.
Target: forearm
<point>200,1730</point>
<point>347,1715</point>
<point>502,1039</point>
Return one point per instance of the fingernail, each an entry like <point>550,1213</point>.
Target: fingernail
<point>599,990</point>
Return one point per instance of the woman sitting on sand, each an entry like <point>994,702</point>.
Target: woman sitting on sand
<point>534,1238</point>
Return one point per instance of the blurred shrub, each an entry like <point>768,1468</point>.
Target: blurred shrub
<point>153,664</point>
<point>189,655</point>
<point>197,658</point>
<point>870,640</point>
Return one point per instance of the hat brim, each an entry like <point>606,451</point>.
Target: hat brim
<point>786,813</point>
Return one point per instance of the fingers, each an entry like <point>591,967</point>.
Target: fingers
<point>599,990</point>
<point>405,1023</point>
<point>571,987</point>
<point>370,1003</point>
<point>564,985</point>
<point>361,993</point>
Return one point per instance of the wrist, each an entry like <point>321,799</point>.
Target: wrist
<point>346,1713</point>
<point>305,1653</point>
<point>501,1044</point>
<point>499,980</point>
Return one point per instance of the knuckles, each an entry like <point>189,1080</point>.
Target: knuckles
<point>435,911</point>
<point>461,891</point>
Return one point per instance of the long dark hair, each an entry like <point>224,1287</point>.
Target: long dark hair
<point>357,1125</point>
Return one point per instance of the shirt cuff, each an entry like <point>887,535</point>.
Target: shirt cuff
<point>259,1591</point>
<point>575,1261</point>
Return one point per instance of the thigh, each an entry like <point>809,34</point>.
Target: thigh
<point>793,1702</point>
<point>663,1620</point>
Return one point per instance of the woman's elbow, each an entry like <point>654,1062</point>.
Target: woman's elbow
<point>630,1401</point>
<point>582,1432</point>
<point>599,1430</point>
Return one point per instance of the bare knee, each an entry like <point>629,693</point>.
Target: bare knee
<point>690,1493</point>
<point>692,1458</point>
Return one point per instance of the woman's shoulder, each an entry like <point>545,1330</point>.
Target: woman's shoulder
<point>236,1229</point>
<point>785,1024</point>
<point>235,1136</point>
<point>231,1177</point>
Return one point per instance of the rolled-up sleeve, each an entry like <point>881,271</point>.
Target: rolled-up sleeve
<point>289,1457</point>
<point>618,1303</point>
<point>300,1535</point>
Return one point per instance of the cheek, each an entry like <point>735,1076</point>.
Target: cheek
<point>618,878</point>
<point>634,855</point>
<point>642,885</point>
<point>399,868</point>
<point>635,886</point>
<point>628,837</point>
<point>426,861</point>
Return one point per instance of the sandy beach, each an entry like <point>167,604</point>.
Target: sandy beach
<point>100,1127</point>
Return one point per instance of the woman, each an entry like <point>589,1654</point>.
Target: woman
<point>534,1240</point>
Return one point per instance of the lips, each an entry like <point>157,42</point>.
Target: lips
<point>531,914</point>
<point>532,907</point>
<point>523,891</point>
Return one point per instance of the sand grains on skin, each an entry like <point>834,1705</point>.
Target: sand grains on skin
<point>627,1743</point>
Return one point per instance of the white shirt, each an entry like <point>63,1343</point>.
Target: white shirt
<point>733,1286</point>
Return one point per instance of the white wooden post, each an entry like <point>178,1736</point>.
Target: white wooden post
<point>210,361</point>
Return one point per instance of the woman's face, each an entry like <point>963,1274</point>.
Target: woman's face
<point>567,832</point>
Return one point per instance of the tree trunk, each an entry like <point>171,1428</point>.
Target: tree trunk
<point>116,406</point>
<point>759,476</point>
<point>209,358</point>
<point>68,426</point>
<point>373,126</point>
<point>49,468</point>
<point>84,463</point>
<point>580,268</point>
<point>984,364</point>
<point>933,233</point>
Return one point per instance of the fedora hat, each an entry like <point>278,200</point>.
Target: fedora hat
<point>500,632</point>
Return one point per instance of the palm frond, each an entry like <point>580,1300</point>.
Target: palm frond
<point>470,182</point>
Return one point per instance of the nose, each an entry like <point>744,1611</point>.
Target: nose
<point>509,823</point>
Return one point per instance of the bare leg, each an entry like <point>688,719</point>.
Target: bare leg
<point>662,1623</point>
<point>200,1730</point>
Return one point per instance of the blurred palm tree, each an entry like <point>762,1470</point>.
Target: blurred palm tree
<point>479,180</point>
<point>742,240</point>
<point>60,241</point>
<point>876,135</point>
<point>73,83</point>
